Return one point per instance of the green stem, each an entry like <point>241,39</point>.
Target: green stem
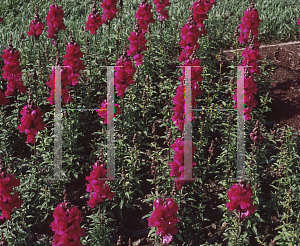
<point>207,164</point>
<point>95,47</point>
<point>288,212</point>
<point>252,158</point>
<point>122,129</point>
<point>238,229</point>
<point>109,28</point>
<point>201,131</point>
<point>143,113</point>
<point>35,155</point>
<point>229,132</point>
<point>39,48</point>
<point>220,71</point>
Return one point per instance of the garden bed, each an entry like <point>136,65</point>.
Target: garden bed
<point>144,205</point>
<point>285,91</point>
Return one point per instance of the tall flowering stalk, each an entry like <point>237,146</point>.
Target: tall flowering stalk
<point>7,201</point>
<point>178,100</point>
<point>240,200</point>
<point>144,15</point>
<point>123,77</point>
<point>137,39</point>
<point>110,10</point>
<point>55,21</point>
<point>36,26</point>
<point>200,10</point>
<point>164,218</point>
<point>249,32</point>
<point>137,45</point>
<point>177,166</point>
<point>12,70</point>
<point>69,73</point>
<point>72,59</point>
<point>94,20</point>
<point>99,189</point>
<point>189,34</point>
<point>189,39</point>
<point>31,121</point>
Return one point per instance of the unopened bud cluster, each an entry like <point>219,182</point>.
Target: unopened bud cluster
<point>256,135</point>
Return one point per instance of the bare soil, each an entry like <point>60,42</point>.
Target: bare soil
<point>285,91</point>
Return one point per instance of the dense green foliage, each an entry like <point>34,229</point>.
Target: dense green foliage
<point>84,132</point>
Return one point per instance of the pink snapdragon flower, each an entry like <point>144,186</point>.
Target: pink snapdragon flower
<point>110,10</point>
<point>99,189</point>
<point>189,34</point>
<point>32,116</point>
<point>250,21</point>
<point>55,21</point>
<point>103,113</point>
<point>94,20</point>
<point>251,56</point>
<point>250,24</point>
<point>36,26</point>
<point>160,9</point>
<point>164,218</point>
<point>66,225</point>
<point>144,15</point>
<point>178,100</point>
<point>177,166</point>
<point>137,45</point>
<point>137,37</point>
<point>7,201</point>
<point>124,73</point>
<point>200,10</point>
<point>240,199</point>
<point>72,59</point>
<point>12,70</point>
<point>65,83</point>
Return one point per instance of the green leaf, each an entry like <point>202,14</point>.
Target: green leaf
<point>146,216</point>
<point>254,230</point>
<point>151,232</point>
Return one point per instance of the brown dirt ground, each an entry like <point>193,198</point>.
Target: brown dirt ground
<point>285,92</point>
